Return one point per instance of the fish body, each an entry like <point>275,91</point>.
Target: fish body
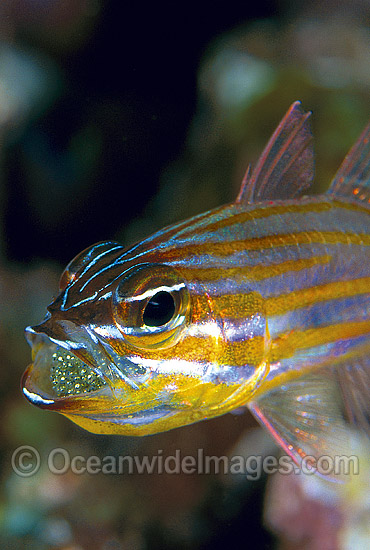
<point>264,302</point>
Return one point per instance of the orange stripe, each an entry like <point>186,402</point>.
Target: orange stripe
<point>237,306</point>
<point>320,293</point>
<point>205,350</point>
<point>211,350</point>
<point>289,375</point>
<point>252,351</point>
<point>264,211</point>
<point>253,273</point>
<point>271,241</point>
<point>287,345</point>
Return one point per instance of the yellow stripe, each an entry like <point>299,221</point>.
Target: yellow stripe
<point>194,349</point>
<point>253,273</point>
<point>289,375</point>
<point>265,211</point>
<point>287,345</point>
<point>237,306</point>
<point>313,295</point>
<point>271,241</point>
<point>213,350</point>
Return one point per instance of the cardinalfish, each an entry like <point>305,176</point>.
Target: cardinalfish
<point>263,303</point>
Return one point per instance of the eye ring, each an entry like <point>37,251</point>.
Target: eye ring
<point>151,306</point>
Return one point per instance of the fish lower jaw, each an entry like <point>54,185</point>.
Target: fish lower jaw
<point>56,375</point>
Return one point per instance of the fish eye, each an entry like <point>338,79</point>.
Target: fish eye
<point>151,305</point>
<point>82,260</point>
<point>159,310</point>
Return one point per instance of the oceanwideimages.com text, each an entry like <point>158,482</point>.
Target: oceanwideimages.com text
<point>26,461</point>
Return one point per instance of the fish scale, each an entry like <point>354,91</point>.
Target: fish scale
<point>261,303</point>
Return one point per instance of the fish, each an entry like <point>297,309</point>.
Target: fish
<point>263,303</point>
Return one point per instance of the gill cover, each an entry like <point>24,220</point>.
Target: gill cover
<point>144,354</point>
<point>138,347</point>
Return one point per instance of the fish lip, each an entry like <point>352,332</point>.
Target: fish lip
<point>111,402</point>
<point>40,400</point>
<point>40,337</point>
<point>80,405</point>
<point>89,348</point>
<point>44,396</point>
<point>34,398</point>
<point>47,399</point>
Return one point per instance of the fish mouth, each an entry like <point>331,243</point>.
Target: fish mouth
<point>57,377</point>
<point>87,387</point>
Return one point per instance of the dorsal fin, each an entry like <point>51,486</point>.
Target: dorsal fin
<point>286,167</point>
<point>353,177</point>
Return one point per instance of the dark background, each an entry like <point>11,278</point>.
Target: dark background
<point>128,96</point>
<point>110,127</point>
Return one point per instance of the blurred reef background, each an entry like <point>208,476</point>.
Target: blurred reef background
<point>116,119</point>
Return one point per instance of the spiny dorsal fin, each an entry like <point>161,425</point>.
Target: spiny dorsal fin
<point>286,167</point>
<point>353,177</point>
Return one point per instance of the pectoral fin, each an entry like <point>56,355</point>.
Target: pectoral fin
<point>306,418</point>
<point>354,380</point>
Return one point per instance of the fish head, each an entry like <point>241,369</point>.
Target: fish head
<point>134,346</point>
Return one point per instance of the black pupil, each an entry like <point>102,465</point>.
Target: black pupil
<point>159,310</point>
